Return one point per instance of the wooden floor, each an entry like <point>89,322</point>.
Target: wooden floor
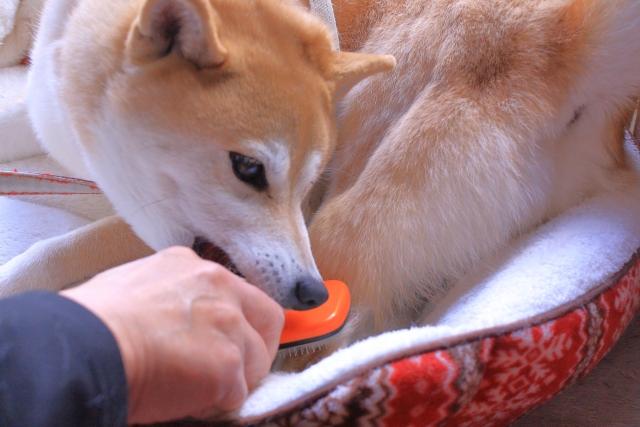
<point>609,396</point>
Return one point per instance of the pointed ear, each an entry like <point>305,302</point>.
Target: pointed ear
<point>185,26</point>
<point>348,69</point>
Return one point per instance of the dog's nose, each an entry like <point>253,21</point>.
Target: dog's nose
<point>309,293</point>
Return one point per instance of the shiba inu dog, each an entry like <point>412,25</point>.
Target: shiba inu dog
<point>500,115</point>
<point>205,122</point>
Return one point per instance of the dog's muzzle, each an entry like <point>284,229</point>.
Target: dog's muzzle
<point>306,292</point>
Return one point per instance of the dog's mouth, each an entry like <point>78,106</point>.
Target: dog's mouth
<point>207,250</point>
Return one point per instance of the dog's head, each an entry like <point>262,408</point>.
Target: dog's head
<point>217,125</point>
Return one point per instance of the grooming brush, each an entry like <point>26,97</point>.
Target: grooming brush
<point>322,322</point>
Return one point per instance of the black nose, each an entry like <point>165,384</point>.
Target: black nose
<point>309,293</point>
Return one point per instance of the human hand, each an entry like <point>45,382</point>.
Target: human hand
<point>194,337</point>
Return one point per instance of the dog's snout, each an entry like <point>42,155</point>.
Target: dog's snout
<point>309,293</point>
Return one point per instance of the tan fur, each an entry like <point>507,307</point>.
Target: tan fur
<point>150,97</point>
<point>470,141</point>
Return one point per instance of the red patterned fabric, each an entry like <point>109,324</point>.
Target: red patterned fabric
<point>491,381</point>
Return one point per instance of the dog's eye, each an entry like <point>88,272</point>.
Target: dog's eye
<point>249,170</point>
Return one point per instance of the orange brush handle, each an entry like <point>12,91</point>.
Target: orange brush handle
<point>303,327</point>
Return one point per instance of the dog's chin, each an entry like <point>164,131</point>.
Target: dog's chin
<point>207,250</point>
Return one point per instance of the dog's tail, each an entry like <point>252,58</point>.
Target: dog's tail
<point>17,138</point>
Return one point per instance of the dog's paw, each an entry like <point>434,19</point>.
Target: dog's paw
<point>20,274</point>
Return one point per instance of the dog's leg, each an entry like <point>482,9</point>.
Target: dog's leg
<point>466,144</point>
<point>432,199</point>
<point>58,262</point>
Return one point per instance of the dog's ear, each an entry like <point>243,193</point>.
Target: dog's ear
<point>346,69</point>
<point>187,27</point>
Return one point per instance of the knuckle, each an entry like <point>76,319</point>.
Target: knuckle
<point>233,360</point>
<point>211,272</point>
<point>177,251</point>
<point>226,316</point>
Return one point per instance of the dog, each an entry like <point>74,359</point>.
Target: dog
<point>500,115</point>
<point>205,123</point>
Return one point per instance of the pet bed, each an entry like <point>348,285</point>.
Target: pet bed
<point>510,336</point>
<point>535,319</point>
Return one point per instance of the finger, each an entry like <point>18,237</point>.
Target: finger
<point>225,317</point>
<point>232,385</point>
<point>264,315</point>
<point>228,320</point>
<point>257,357</point>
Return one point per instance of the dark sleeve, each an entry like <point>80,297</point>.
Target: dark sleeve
<point>59,365</point>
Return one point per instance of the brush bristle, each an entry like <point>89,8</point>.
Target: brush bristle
<point>303,349</point>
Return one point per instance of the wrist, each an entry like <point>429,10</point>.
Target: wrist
<point>131,350</point>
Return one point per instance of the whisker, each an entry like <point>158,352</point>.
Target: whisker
<point>148,146</point>
<point>146,205</point>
